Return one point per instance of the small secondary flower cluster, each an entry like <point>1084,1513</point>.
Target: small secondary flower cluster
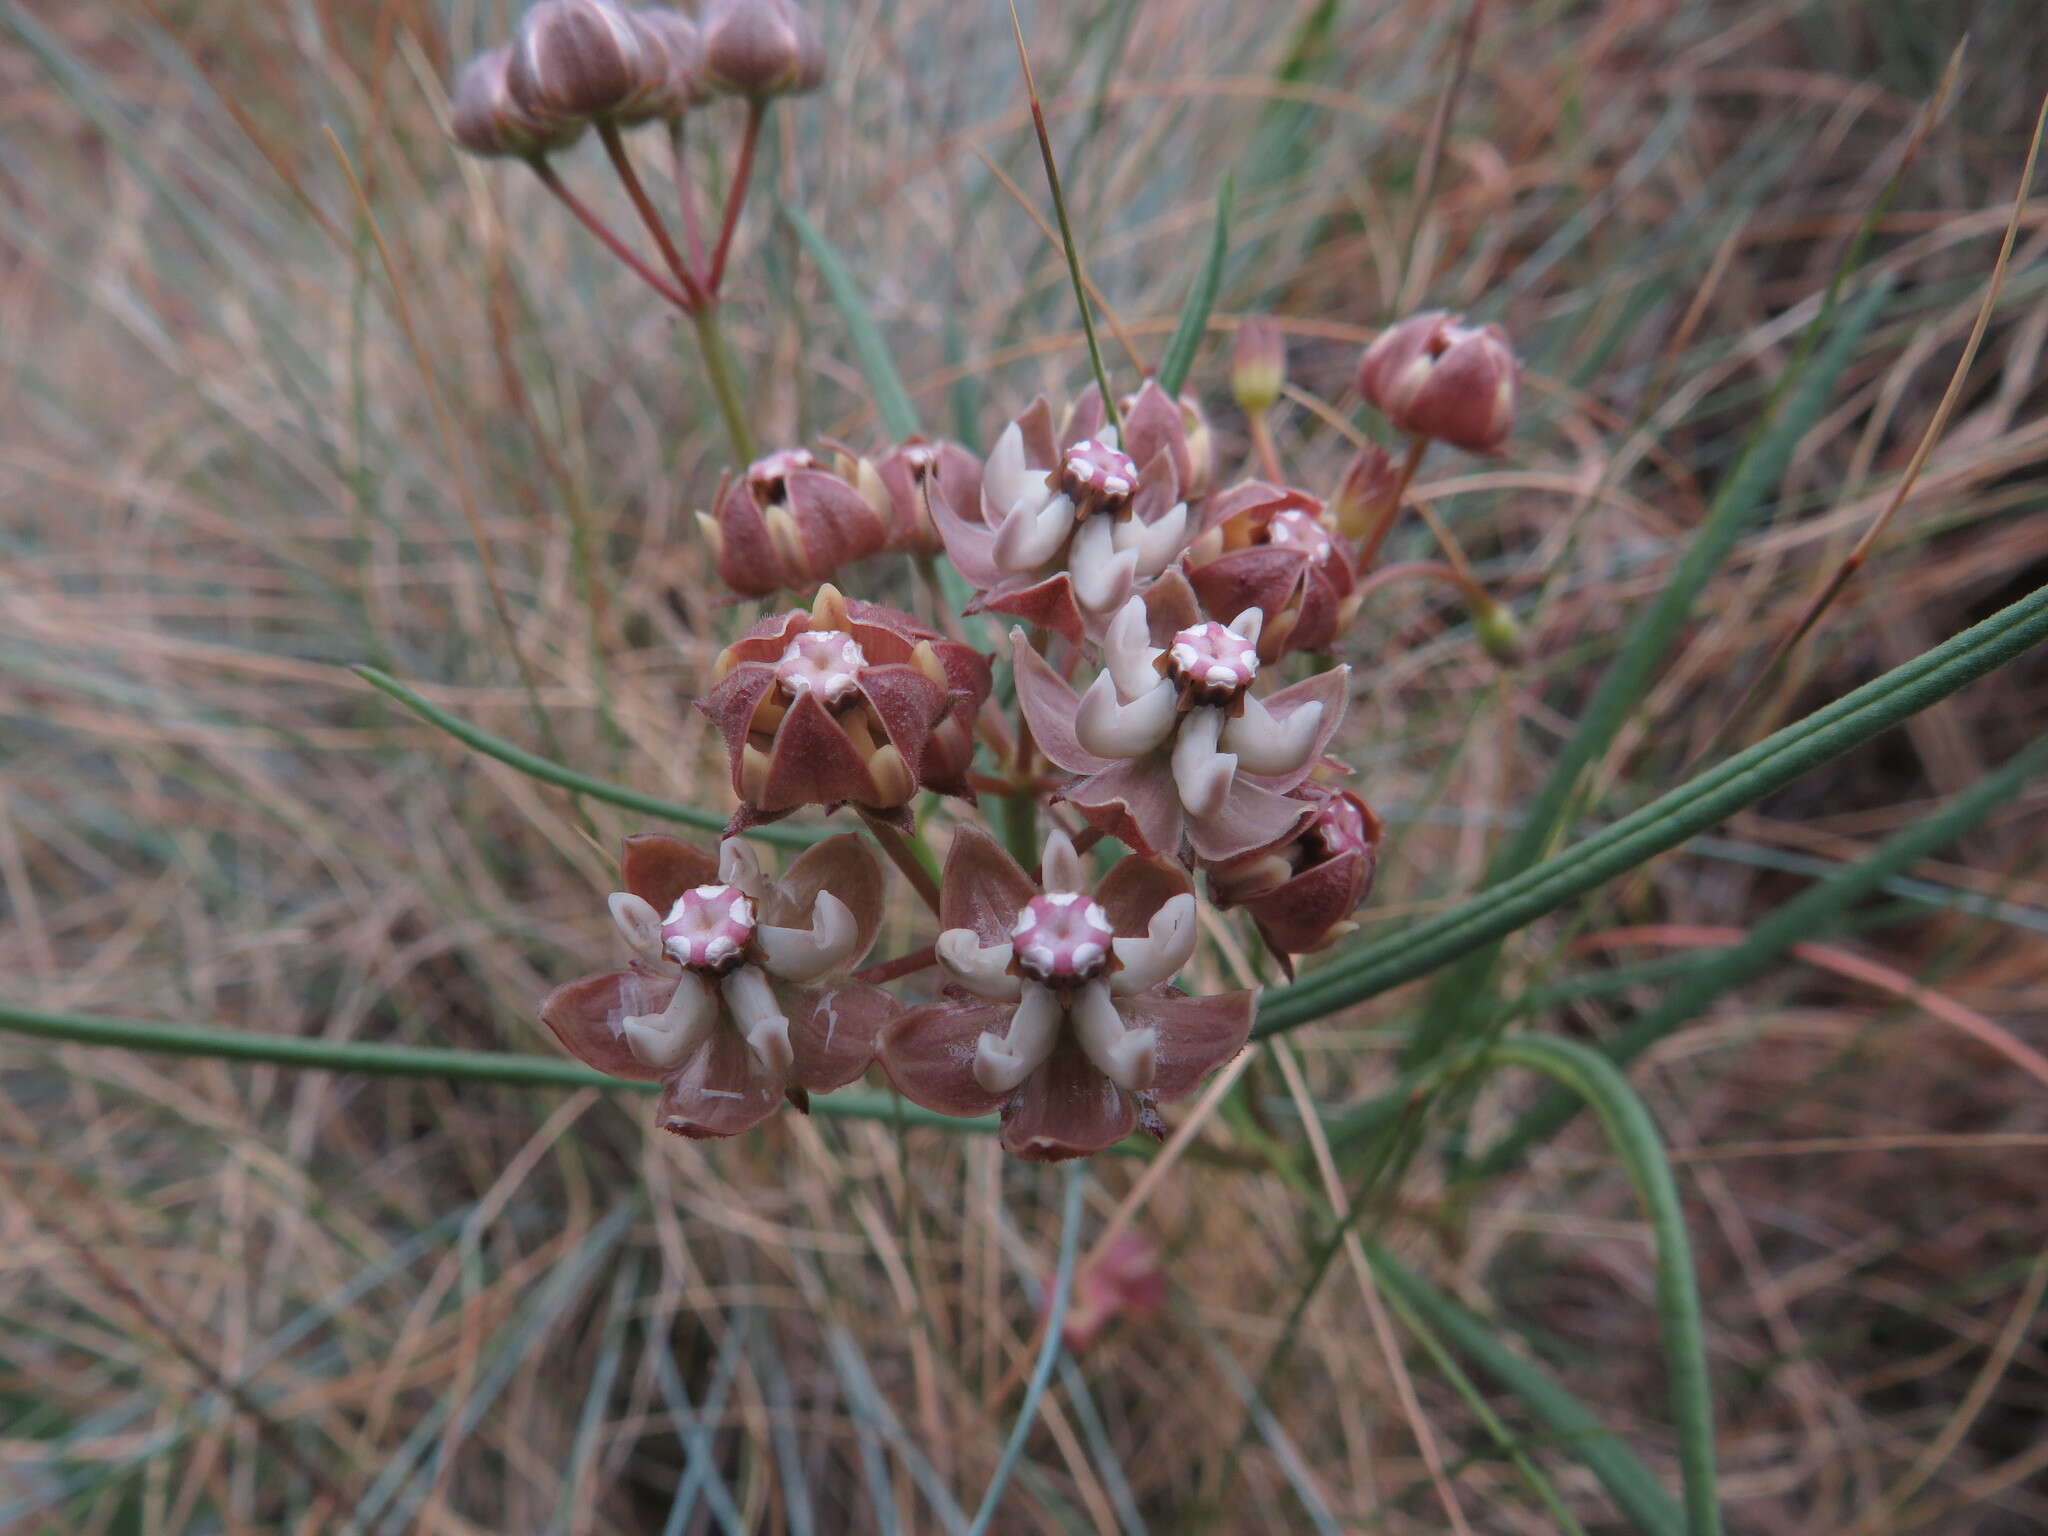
<point>1169,662</point>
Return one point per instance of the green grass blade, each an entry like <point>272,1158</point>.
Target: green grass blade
<point>1454,1000</point>
<point>1048,1349</point>
<point>892,400</point>
<point>1632,1486</point>
<point>1593,1079</point>
<point>551,772</point>
<point>1809,913</point>
<point>1186,341</point>
<point>1666,821</point>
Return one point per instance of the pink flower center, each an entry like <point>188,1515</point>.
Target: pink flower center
<point>1338,828</point>
<point>826,662</point>
<point>1096,477</point>
<point>1063,937</point>
<point>920,458</point>
<point>708,928</point>
<point>1295,529</point>
<point>1213,661</point>
<point>766,476</point>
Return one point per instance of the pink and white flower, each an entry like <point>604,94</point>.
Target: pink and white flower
<point>1071,524</point>
<point>1060,1010</point>
<point>1174,753</point>
<point>717,1003</point>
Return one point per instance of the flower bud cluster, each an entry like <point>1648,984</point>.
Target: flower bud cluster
<point>573,63</point>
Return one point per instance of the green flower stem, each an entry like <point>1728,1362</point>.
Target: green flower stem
<point>549,772</point>
<point>718,368</point>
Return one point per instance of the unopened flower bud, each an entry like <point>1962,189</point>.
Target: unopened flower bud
<point>1258,365</point>
<point>1367,496</point>
<point>1500,633</point>
<point>788,523</point>
<point>583,59</point>
<point>1302,891</point>
<point>761,48</point>
<point>485,120</point>
<point>1439,378</point>
<point>677,79</point>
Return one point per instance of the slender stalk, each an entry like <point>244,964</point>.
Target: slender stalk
<point>686,196</point>
<point>718,368</point>
<point>1071,1208</point>
<point>1059,208</point>
<point>597,226</point>
<point>1262,445</point>
<point>736,194</point>
<point>909,857</point>
<point>1369,549</point>
<point>615,147</point>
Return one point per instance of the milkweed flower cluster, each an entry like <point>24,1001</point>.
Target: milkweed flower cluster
<point>1157,713</point>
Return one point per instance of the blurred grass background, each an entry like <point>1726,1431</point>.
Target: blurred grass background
<point>243,1299</point>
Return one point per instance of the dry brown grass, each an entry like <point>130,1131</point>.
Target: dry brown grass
<point>238,1299</point>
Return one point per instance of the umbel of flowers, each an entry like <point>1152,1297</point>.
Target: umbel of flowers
<point>1171,686</point>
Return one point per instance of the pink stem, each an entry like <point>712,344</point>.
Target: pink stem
<point>693,238</point>
<point>736,194</point>
<point>612,242</point>
<point>615,147</point>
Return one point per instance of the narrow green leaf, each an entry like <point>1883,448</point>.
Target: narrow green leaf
<point>1593,1079</point>
<point>1632,1486</point>
<point>550,772</point>
<point>1810,912</point>
<point>1665,822</point>
<point>892,400</point>
<point>1180,352</point>
<point>1455,1000</point>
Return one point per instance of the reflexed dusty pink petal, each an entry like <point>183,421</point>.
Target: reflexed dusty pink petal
<point>1135,888</point>
<point>1085,418</point>
<point>1158,487</point>
<point>1170,606</point>
<point>1135,803</point>
<point>1252,817</point>
<point>658,868</point>
<point>1332,690</point>
<point>813,762</point>
<point>1196,1035</point>
<point>1048,603</point>
<point>1153,424</point>
<point>721,1090</point>
<point>970,543</point>
<point>1067,1109</point>
<point>834,1031</point>
<point>1041,441</point>
<point>982,887</point>
<point>587,1016</point>
<point>847,867</point>
<point>929,1055</point>
<point>1049,704</point>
